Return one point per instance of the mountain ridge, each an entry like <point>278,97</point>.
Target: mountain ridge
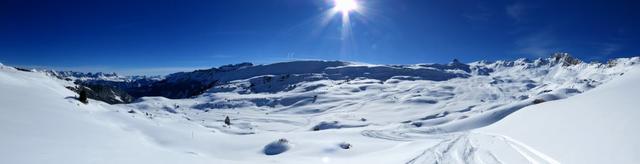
<point>189,84</point>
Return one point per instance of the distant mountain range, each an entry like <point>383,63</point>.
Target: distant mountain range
<point>263,78</point>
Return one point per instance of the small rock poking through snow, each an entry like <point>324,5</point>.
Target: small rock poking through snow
<point>277,147</point>
<point>345,145</point>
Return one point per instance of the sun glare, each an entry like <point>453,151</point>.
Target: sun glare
<point>346,9</point>
<point>346,5</point>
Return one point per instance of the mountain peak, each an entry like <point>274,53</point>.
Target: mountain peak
<point>565,58</point>
<point>455,62</point>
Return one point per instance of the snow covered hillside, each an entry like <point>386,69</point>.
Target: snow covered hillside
<point>600,126</point>
<point>334,112</point>
<point>42,123</point>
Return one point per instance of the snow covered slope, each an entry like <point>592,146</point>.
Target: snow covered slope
<point>600,126</point>
<point>328,112</point>
<point>41,123</point>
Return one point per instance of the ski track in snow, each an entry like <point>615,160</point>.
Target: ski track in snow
<point>479,148</point>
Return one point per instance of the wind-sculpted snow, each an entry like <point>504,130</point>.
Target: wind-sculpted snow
<point>481,148</point>
<point>423,113</point>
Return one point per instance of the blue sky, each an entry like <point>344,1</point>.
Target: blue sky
<point>159,36</point>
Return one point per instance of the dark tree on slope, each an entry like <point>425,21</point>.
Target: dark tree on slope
<point>227,121</point>
<point>83,96</point>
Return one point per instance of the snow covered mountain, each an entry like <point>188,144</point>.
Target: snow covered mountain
<point>331,112</point>
<point>91,76</point>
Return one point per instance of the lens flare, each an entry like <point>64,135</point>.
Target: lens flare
<point>346,6</point>
<point>346,11</point>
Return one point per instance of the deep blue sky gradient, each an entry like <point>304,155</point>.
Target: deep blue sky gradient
<point>161,36</point>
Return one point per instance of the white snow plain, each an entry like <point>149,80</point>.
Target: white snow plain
<point>310,118</point>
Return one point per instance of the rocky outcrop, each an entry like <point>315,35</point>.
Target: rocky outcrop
<point>104,93</point>
<point>565,59</point>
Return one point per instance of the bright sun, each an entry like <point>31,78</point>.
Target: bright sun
<point>346,5</point>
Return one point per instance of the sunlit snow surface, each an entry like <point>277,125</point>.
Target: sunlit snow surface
<point>384,119</point>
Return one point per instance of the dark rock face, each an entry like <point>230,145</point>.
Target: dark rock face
<point>345,145</point>
<point>23,69</point>
<point>185,84</point>
<point>565,59</point>
<point>173,90</point>
<point>104,93</point>
<point>538,101</point>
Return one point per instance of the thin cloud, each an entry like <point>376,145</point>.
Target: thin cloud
<point>610,48</point>
<point>540,44</point>
<point>516,11</point>
<point>480,14</point>
<point>477,17</point>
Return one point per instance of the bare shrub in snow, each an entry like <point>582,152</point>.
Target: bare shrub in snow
<point>83,96</point>
<point>227,121</point>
